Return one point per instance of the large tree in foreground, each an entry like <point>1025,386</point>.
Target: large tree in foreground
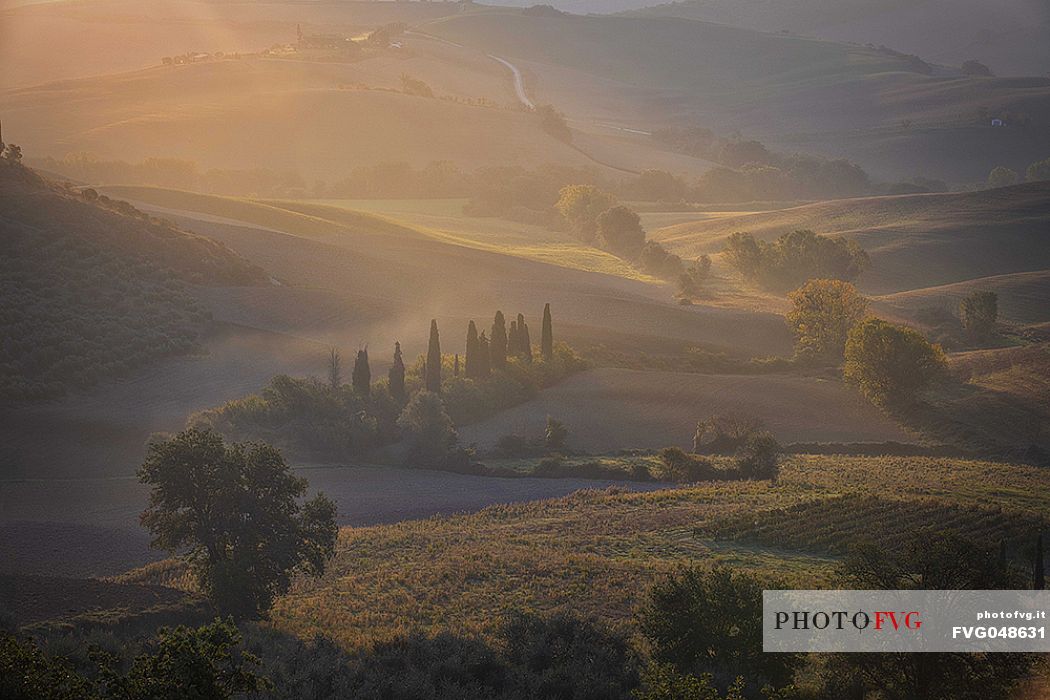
<point>234,513</point>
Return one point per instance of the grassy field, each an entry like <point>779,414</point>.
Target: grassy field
<point>915,241</point>
<point>596,552</point>
<point>613,409</point>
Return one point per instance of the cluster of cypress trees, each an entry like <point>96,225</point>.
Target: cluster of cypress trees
<point>484,354</point>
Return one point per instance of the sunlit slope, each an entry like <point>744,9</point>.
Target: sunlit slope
<point>261,113</point>
<point>449,274</point>
<point>836,99</point>
<point>598,552</point>
<point>915,241</point>
<point>1008,35</point>
<point>108,36</point>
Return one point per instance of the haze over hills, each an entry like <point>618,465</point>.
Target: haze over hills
<point>894,115</point>
<point>311,282</point>
<point>1006,35</point>
<point>915,241</point>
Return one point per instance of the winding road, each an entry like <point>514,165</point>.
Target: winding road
<point>519,81</point>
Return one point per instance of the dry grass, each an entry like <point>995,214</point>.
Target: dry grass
<point>596,552</point>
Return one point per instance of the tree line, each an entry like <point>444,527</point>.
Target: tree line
<point>418,404</point>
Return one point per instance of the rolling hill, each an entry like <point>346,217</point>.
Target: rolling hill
<point>893,115</point>
<point>94,288</point>
<point>915,241</point>
<point>1005,35</point>
<point>615,409</point>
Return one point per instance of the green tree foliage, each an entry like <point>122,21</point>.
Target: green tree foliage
<point>1038,171</point>
<point>620,232</point>
<point>932,560</point>
<point>660,262</point>
<point>498,342</point>
<point>484,356</point>
<point>473,349</point>
<point>704,621</point>
<point>1002,177</point>
<point>428,429</point>
<point>335,370</point>
<point>677,466</point>
<point>396,375</point>
<point>26,673</point>
<point>691,281</point>
<point>890,363</point>
<point>979,312</point>
<point>513,340</point>
<point>580,206</point>
<point>524,341</point>
<point>821,316</point>
<point>233,512</point>
<point>362,375</point>
<point>662,682</point>
<point>433,366</point>
<point>759,457</point>
<point>795,258</point>
<point>553,122</point>
<point>555,435</point>
<point>547,335</point>
<point>180,663</point>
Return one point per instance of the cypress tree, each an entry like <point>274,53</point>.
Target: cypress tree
<point>1039,573</point>
<point>484,357</point>
<point>455,366</point>
<point>547,335</point>
<point>513,340</point>
<point>396,375</point>
<point>526,341</point>
<point>473,349</point>
<point>433,370</point>
<point>362,376</point>
<point>498,342</point>
<point>335,372</point>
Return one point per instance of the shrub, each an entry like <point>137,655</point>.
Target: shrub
<point>556,434</point>
<point>1002,177</point>
<point>759,458</point>
<point>1038,171</point>
<point>710,621</point>
<point>620,232</point>
<point>890,363</point>
<point>724,433</point>
<point>677,466</point>
<point>512,446</point>
<point>429,430</point>
<point>979,312</point>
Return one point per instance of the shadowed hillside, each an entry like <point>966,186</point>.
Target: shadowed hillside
<point>94,288</point>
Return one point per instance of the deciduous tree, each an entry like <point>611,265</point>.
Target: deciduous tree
<point>233,512</point>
